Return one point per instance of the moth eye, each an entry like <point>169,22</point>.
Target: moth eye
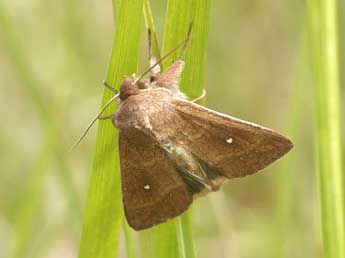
<point>152,78</point>
<point>230,140</point>
<point>147,187</point>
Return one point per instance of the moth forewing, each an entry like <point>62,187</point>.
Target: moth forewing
<point>151,188</point>
<point>230,146</point>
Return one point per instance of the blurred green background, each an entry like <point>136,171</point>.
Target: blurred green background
<point>53,57</point>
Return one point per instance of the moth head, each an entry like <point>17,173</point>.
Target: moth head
<point>129,87</point>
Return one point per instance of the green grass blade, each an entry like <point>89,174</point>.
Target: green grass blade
<point>149,23</point>
<point>174,238</point>
<point>130,245</point>
<point>186,242</point>
<point>178,20</point>
<point>179,16</point>
<point>103,209</point>
<point>160,241</point>
<point>322,19</point>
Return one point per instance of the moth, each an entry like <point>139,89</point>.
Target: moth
<point>173,150</point>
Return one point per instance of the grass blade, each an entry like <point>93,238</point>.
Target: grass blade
<point>174,238</point>
<point>324,57</point>
<point>130,244</point>
<point>192,82</point>
<point>179,16</point>
<point>103,210</point>
<point>149,23</point>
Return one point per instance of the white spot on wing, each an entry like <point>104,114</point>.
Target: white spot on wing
<point>230,140</point>
<point>147,187</point>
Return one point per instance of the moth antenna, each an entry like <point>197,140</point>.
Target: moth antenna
<point>107,85</point>
<point>186,41</point>
<point>162,58</point>
<point>149,43</point>
<point>94,120</point>
<point>152,58</point>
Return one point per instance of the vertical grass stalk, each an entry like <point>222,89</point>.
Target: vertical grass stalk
<point>322,19</point>
<point>174,238</point>
<point>103,209</point>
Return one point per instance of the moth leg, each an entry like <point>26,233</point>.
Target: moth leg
<point>152,60</point>
<point>108,86</point>
<point>203,94</point>
<point>105,117</point>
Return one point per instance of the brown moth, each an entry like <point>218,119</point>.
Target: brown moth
<point>173,150</point>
